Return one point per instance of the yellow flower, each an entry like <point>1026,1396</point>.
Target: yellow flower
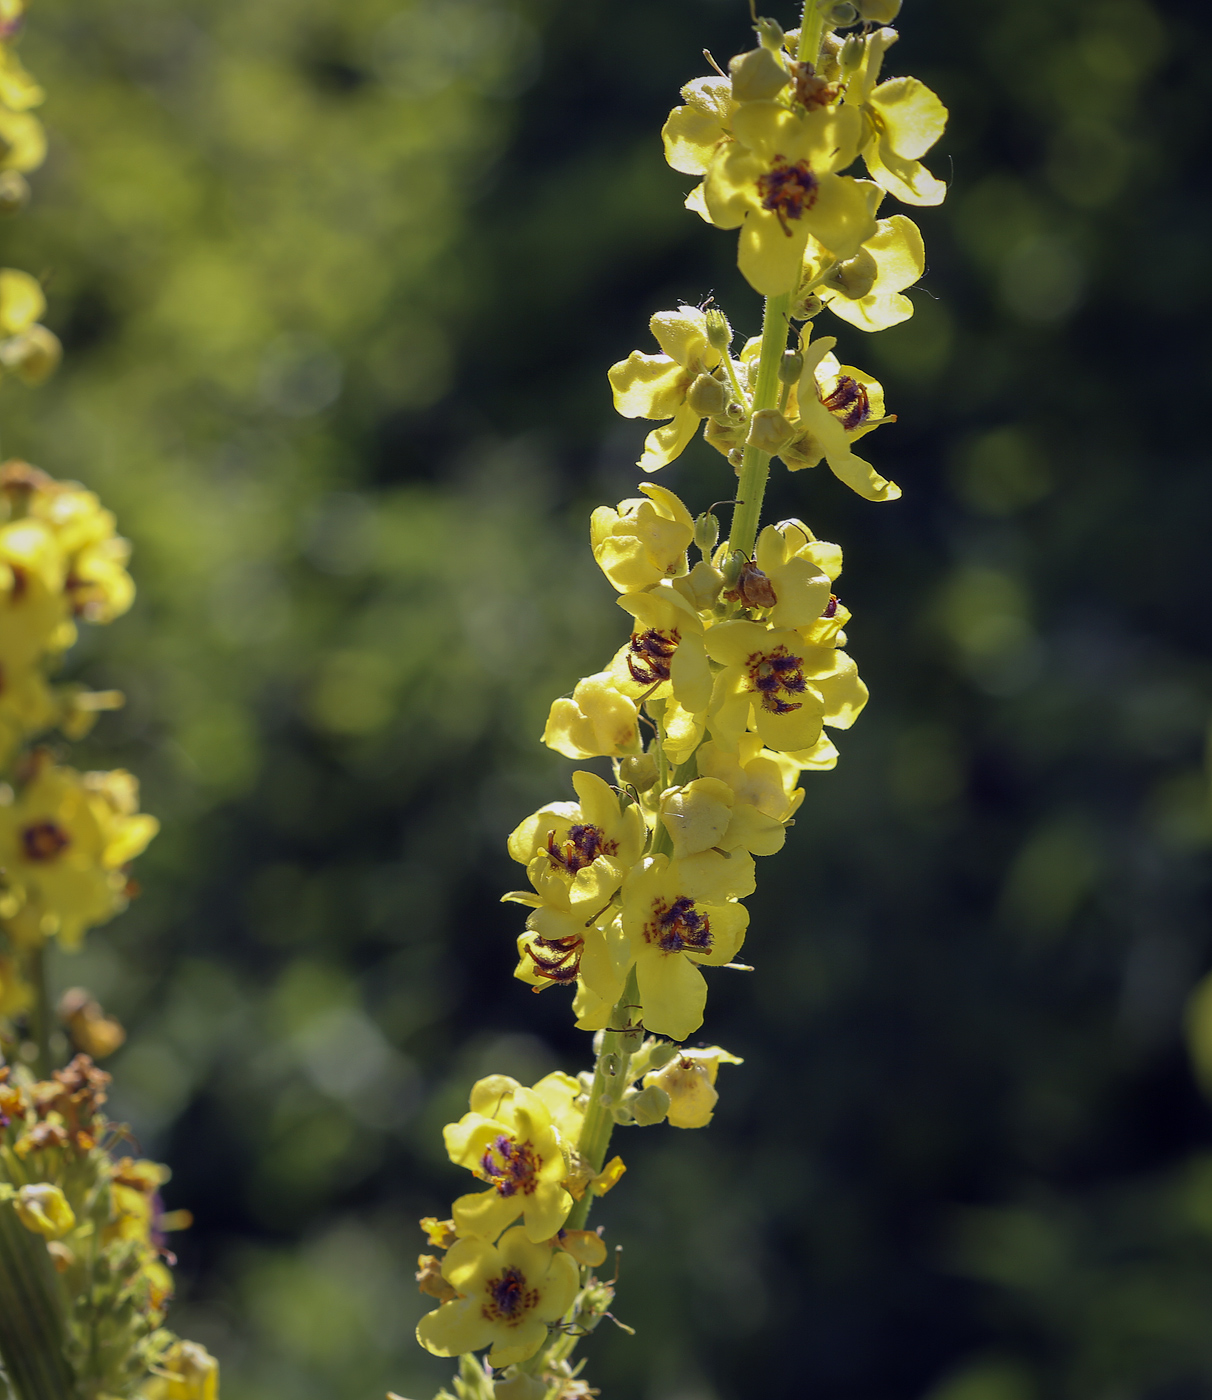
<point>28,706</point>
<point>693,132</point>
<point>678,914</point>
<point>903,119</point>
<point>798,583</point>
<point>777,183</point>
<point>186,1371</point>
<point>18,90</point>
<point>689,1080</point>
<point>836,405</point>
<point>655,386</point>
<point>705,815</point>
<point>764,686</point>
<point>22,141</point>
<point>865,290</point>
<point>561,949</point>
<point>64,842</point>
<point>780,686</point>
<point>43,1208</point>
<point>664,655</point>
<point>510,1142</point>
<point>643,541</point>
<point>509,1293</point>
<point>21,300</point>
<point>597,722</point>
<point>34,611</point>
<point>576,853</point>
<point>756,775</point>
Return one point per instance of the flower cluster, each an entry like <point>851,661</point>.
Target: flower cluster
<point>738,677</point>
<point>729,681</point>
<point>71,1210</point>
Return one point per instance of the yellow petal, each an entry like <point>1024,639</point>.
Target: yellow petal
<point>690,137</point>
<point>663,444</point>
<point>913,116</point>
<point>647,386</point>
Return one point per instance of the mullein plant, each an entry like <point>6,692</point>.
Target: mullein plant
<point>721,695</point>
<point>84,1270</point>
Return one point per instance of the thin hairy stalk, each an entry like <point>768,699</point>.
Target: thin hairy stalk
<point>755,464</point>
<point>40,1015</point>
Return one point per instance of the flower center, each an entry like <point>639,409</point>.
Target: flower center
<point>511,1166</point>
<point>787,190</point>
<point>44,840</point>
<point>509,1300</point>
<point>649,655</point>
<point>774,674</point>
<point>582,847</point>
<point>678,926</point>
<point>848,401</point>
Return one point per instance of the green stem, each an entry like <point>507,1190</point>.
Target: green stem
<point>620,1041</point>
<point>755,465</point>
<point>31,1319</point>
<point>812,31</point>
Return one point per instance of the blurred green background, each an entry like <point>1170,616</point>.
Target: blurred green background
<point>339,281</point>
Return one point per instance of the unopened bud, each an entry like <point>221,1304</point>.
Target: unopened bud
<point>33,355</point>
<point>791,366</point>
<point>638,771</point>
<point>14,191</point>
<point>807,307</point>
<point>879,11</point>
<point>649,1106</point>
<point>841,15</point>
<point>736,459</point>
<point>719,332</point>
<point>852,53</point>
<point>660,1055</point>
<point>707,396</point>
<point>733,565</point>
<point>519,1387</point>
<point>769,431</point>
<point>770,34</point>
<point>756,76</point>
<point>706,532</point>
<point>855,277</point>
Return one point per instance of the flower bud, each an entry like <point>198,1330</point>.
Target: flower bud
<point>770,34</point>
<point>769,431</point>
<point>791,366</point>
<point>756,76</point>
<point>733,565</point>
<point>649,1106</point>
<point>719,332</point>
<point>14,192</point>
<point>736,457</point>
<point>807,307</point>
<point>879,11</point>
<point>707,396</point>
<point>855,277</point>
<point>840,15</point>
<point>706,532</point>
<point>43,1209</point>
<point>852,53</point>
<point>639,770</point>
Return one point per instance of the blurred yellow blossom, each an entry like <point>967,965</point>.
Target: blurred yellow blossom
<point>64,840</point>
<point>43,1208</point>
